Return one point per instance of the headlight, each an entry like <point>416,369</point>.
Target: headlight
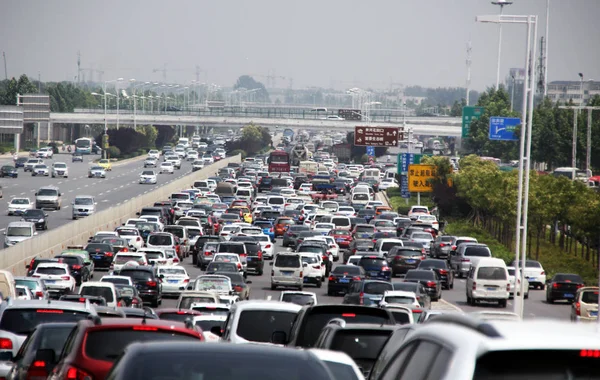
<point>41,221</point>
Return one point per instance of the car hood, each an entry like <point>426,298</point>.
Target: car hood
<point>84,207</point>
<point>16,239</point>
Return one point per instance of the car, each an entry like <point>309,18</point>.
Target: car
<point>399,297</point>
<point>147,282</point>
<point>535,274</point>
<point>418,289</point>
<point>148,177</point>
<point>45,152</point>
<point>18,206</point>
<point>36,285</point>
<point>150,162</point>
<point>514,281</point>
<point>442,269</point>
<point>106,290</point>
<point>366,292</point>
<point>37,217</point>
<point>239,284</point>
<point>96,171</point>
<point>342,277</point>
<point>9,171</point>
<point>95,345</point>
<point>77,157</point>
<point>77,268</point>
<point>174,279</point>
<point>20,162</point>
<point>56,276</point>
<point>585,305</point>
<point>117,280</point>
<point>31,163</point>
<point>60,169</point>
<point>167,167</point>
<point>376,267</point>
<point>488,281</point>
<point>83,205</point>
<point>429,280</point>
<point>563,286</point>
<point>402,259</point>
<point>287,271</point>
<point>105,164</point>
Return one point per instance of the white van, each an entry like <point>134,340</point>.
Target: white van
<point>244,194</point>
<point>184,141</point>
<point>488,281</point>
<point>254,321</point>
<point>101,289</point>
<point>17,232</point>
<point>287,271</point>
<point>371,174</point>
<point>341,222</point>
<point>360,199</point>
<point>7,285</point>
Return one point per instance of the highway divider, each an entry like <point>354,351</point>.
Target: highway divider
<point>78,232</point>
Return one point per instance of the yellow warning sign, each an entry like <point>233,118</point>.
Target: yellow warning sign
<point>419,177</point>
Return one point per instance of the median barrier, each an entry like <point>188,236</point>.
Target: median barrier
<point>78,232</point>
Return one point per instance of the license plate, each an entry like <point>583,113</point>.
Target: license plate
<point>594,313</point>
<point>344,280</point>
<point>324,233</point>
<point>410,261</point>
<point>364,235</point>
<point>339,240</point>
<point>374,273</point>
<point>50,281</point>
<point>287,273</point>
<point>97,257</point>
<point>249,259</point>
<point>173,281</point>
<point>569,295</point>
<point>490,289</point>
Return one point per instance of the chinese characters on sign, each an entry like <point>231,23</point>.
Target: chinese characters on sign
<point>469,114</point>
<point>376,136</point>
<point>419,178</point>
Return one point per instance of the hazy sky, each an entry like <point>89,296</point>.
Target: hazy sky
<point>317,43</point>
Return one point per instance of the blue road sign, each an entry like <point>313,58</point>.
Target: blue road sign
<point>406,159</point>
<point>371,151</point>
<point>503,128</point>
<point>404,186</point>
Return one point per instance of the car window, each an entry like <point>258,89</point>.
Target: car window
<point>160,240</point>
<point>478,251</point>
<point>377,287</point>
<point>346,269</point>
<point>363,345</point>
<point>491,273</point>
<point>298,299</point>
<point>568,278</point>
<point>101,291</point>
<point>589,296</point>
<point>51,270</point>
<point>258,325</point>
<point>137,275</point>
<point>287,261</point>
<point>24,321</point>
<point>415,369</point>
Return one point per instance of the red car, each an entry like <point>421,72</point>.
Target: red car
<point>94,345</point>
<point>343,238</point>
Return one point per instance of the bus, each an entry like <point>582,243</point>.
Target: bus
<point>84,145</point>
<point>580,175</point>
<point>279,161</point>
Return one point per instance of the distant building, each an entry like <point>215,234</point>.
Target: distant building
<point>514,86</point>
<point>563,91</point>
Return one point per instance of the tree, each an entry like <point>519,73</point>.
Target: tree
<point>248,83</point>
<point>8,96</point>
<point>165,134</point>
<point>253,140</point>
<point>150,134</point>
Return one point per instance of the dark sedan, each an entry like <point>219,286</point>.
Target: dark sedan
<point>402,259</point>
<point>37,217</point>
<point>445,274</point>
<point>20,162</point>
<point>101,253</point>
<point>291,235</point>
<point>342,277</point>
<point>376,267</point>
<point>429,279</point>
<point>563,286</point>
<point>442,245</point>
<point>8,171</point>
<point>77,267</point>
<point>419,290</point>
<point>240,285</point>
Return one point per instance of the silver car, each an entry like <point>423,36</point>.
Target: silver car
<point>97,172</point>
<point>424,238</point>
<point>83,205</point>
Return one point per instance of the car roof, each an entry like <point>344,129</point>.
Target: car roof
<point>48,304</point>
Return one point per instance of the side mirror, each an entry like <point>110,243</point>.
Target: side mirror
<point>161,276</point>
<point>137,213</point>
<point>60,194</point>
<point>305,265</point>
<point>216,330</point>
<point>35,233</point>
<point>46,215</point>
<point>249,282</point>
<point>279,337</point>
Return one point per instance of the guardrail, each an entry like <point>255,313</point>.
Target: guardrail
<point>78,232</point>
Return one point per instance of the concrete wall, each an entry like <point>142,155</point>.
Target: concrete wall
<point>78,232</point>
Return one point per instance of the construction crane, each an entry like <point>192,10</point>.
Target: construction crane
<point>164,70</point>
<point>271,78</point>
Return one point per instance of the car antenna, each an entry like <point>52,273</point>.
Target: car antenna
<point>144,317</point>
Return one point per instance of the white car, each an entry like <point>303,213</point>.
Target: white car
<point>118,280</point>
<point>534,273</point>
<point>212,184</point>
<point>208,160</point>
<point>23,292</point>
<point>133,221</point>
<point>60,169</point>
<point>181,208</point>
<point>124,258</point>
<point>339,363</point>
<point>288,192</point>
<point>394,297</point>
<point>132,235</point>
<point>192,155</point>
<point>148,176</point>
<point>229,258</point>
<point>228,231</point>
<point>174,278</point>
<point>266,246</point>
<point>157,256</point>
<point>324,228</point>
<point>175,160</point>
<point>511,279</point>
<point>313,268</point>
<point>45,152</point>
<point>388,183</point>
<point>97,172</point>
<point>153,219</point>
<point>167,167</point>
<point>31,163</point>
<point>56,277</point>
<point>331,245</point>
<point>18,206</point>
<point>207,322</point>
<point>348,211</point>
<point>354,260</point>
<point>197,165</point>
<point>40,170</point>
<point>153,153</point>
<point>150,162</point>
<point>305,188</point>
<point>180,152</point>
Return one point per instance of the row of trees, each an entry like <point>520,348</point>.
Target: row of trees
<point>254,139</point>
<point>552,132</point>
<point>487,196</point>
<point>126,142</point>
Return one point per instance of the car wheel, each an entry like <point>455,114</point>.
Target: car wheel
<point>260,272</point>
<point>502,303</point>
<point>526,295</point>
<point>319,283</point>
<point>45,226</point>
<point>469,300</point>
<point>549,300</point>
<point>300,287</point>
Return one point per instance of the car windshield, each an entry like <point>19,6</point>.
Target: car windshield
<point>259,325</point>
<point>20,201</point>
<point>96,168</point>
<point>101,291</point>
<point>422,236</point>
<point>478,251</point>
<point>19,231</point>
<point>84,201</point>
<point>148,172</point>
<point>213,284</point>
<point>60,166</point>
<point>377,287</point>
<point>24,321</point>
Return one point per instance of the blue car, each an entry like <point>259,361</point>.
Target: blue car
<point>376,267</point>
<point>227,200</point>
<point>267,228</point>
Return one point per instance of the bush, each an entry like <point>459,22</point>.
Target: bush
<point>238,151</point>
<point>113,152</point>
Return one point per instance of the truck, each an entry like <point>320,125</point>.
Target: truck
<point>309,168</point>
<point>342,151</point>
<point>298,154</point>
<point>289,133</point>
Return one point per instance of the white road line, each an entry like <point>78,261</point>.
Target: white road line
<point>66,207</point>
<point>70,191</point>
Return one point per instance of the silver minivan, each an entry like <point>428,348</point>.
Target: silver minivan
<point>83,205</point>
<point>467,256</point>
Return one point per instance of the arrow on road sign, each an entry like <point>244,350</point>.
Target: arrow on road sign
<point>359,131</point>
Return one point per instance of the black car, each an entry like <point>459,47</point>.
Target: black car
<point>102,254</point>
<point>42,346</point>
<point>37,217</point>
<point>20,162</point>
<point>429,279</point>
<point>376,267</point>
<point>367,292</point>
<point>255,260</point>
<point>445,274</point>
<point>290,235</point>
<point>218,267</point>
<point>299,179</point>
<point>366,214</point>
<point>342,276</point>
<point>563,286</point>
<point>9,171</point>
<point>339,187</point>
<point>265,184</point>
<point>146,282</point>
<point>79,271</point>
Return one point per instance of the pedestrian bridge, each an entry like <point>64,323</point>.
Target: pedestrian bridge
<point>433,126</point>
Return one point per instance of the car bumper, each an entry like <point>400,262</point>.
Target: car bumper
<point>490,295</point>
<point>16,211</point>
<point>541,280</point>
<point>566,295</point>
<point>402,269</point>
<point>579,318</point>
<point>174,288</point>
<point>286,280</point>
<point>255,266</point>
<point>46,205</point>
<point>338,288</point>
<point>103,262</point>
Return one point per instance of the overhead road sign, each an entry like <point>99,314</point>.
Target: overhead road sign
<point>11,119</point>
<point>376,136</point>
<point>419,177</point>
<point>503,128</point>
<point>371,151</point>
<point>470,114</point>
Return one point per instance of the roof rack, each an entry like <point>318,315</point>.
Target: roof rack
<point>467,322</point>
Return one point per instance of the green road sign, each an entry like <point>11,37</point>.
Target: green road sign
<point>468,115</point>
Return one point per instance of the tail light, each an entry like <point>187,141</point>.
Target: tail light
<point>151,283</point>
<point>37,370</point>
<point>465,260</point>
<point>555,286</point>
<point>6,344</point>
<point>237,288</point>
<point>260,255</point>
<point>442,245</point>
<point>361,298</point>
<point>138,239</point>
<point>134,301</point>
<point>76,374</point>
<point>272,272</point>
<point>317,267</point>
<point>239,266</point>
<point>579,286</point>
<point>76,267</point>
<point>453,248</point>
<point>356,278</point>
<point>385,269</point>
<point>175,259</point>
<point>301,274</point>
<point>542,273</point>
<point>39,294</point>
<point>186,280</point>
<point>109,254</point>
<point>124,249</point>
<point>423,257</point>
<point>508,287</point>
<point>474,285</point>
<point>578,308</point>
<point>33,260</point>
<point>66,278</point>
<point>325,258</point>
<point>331,278</point>
<point>207,253</point>
<point>396,258</point>
<point>243,255</point>
<point>443,271</point>
<point>430,284</point>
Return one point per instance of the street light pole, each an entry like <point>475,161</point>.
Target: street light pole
<point>512,96</point>
<point>546,50</point>
<point>501,3</point>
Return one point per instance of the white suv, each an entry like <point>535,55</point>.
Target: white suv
<point>287,271</point>
<point>56,276</point>
<point>313,268</point>
<point>488,281</point>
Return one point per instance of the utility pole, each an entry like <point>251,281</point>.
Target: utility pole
<point>541,81</point>
<point>546,54</point>
<point>5,71</point>
<point>469,49</point>
<point>78,67</point>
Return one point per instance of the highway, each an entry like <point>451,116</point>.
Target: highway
<point>120,185</point>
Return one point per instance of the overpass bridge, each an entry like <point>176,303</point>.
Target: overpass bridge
<point>434,126</point>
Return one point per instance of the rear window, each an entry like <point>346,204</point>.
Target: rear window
<point>175,231</point>
<point>259,325</point>
<point>304,299</point>
<point>122,259</point>
<point>491,273</point>
<point>207,324</point>
<point>176,316</point>
<point>231,248</point>
<point>407,253</point>
<point>458,242</point>
<point>100,291</point>
<point>590,296</point>
<point>252,249</point>
<point>370,262</point>
<point>388,245</point>
<point>568,278</point>
<point>287,261</point>
<point>186,302</point>
<point>51,271</point>
<point>275,201</point>
<point>478,251</point>
<point>23,321</point>
<point>377,287</point>
<point>400,317</point>
<point>363,345</point>
<point>285,221</point>
<point>160,240</point>
<point>404,300</point>
<point>107,345</point>
<point>346,269</point>
<point>136,275</point>
<point>420,275</point>
<point>341,222</point>
<point>360,197</point>
<point>532,264</point>
<point>365,229</point>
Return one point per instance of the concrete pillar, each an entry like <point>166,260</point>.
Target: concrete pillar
<point>17,142</point>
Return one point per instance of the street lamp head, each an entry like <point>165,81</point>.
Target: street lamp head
<point>581,75</point>
<point>97,94</point>
<point>119,79</point>
<point>502,2</point>
<point>132,80</point>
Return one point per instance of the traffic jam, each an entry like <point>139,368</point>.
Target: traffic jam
<point>306,255</point>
